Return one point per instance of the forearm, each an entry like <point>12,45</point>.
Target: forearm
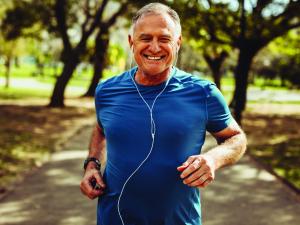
<point>229,151</point>
<point>97,145</point>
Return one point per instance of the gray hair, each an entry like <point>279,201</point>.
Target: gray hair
<point>158,8</point>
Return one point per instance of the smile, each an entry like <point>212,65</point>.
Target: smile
<point>154,57</point>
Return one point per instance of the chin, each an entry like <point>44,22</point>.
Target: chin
<point>155,69</point>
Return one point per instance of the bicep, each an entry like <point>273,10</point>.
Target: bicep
<point>231,130</point>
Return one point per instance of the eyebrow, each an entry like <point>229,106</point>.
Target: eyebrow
<point>144,35</point>
<point>149,35</point>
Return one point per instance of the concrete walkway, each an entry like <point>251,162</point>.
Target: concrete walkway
<point>243,194</point>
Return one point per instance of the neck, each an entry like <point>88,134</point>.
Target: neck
<point>152,79</point>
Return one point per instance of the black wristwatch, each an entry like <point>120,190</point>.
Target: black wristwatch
<point>92,159</point>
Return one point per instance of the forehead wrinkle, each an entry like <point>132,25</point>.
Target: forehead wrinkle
<point>151,35</point>
<point>172,27</point>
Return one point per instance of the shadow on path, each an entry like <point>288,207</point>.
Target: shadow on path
<point>51,195</point>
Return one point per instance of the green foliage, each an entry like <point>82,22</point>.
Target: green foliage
<point>27,18</point>
<point>282,158</point>
<point>281,59</point>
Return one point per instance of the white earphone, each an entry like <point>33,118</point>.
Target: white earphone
<point>153,132</point>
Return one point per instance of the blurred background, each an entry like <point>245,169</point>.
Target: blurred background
<point>54,52</point>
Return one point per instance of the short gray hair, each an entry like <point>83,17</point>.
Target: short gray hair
<point>158,8</point>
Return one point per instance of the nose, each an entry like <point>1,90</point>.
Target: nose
<point>154,46</point>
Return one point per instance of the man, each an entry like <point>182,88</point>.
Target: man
<point>152,120</point>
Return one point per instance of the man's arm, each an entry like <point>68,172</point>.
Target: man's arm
<point>199,170</point>
<point>96,150</point>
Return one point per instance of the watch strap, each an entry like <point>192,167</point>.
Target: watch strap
<point>92,159</point>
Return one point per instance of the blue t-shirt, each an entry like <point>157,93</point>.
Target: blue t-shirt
<point>155,195</point>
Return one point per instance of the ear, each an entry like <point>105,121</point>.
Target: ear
<point>178,43</point>
<point>130,41</point>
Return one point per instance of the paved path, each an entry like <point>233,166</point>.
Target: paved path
<point>243,194</point>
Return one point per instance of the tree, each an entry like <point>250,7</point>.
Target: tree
<point>63,17</point>
<point>101,48</point>
<point>215,59</point>
<point>71,55</point>
<point>213,53</point>
<point>281,59</point>
<point>214,56</point>
<point>247,27</point>
<point>9,49</point>
<point>7,53</point>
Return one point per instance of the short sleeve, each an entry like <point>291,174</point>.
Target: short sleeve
<point>218,113</point>
<point>98,103</point>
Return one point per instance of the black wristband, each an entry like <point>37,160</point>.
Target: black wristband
<point>92,159</point>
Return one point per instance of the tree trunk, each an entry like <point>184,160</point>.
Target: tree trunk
<point>216,72</point>
<point>215,64</point>
<point>238,103</point>
<point>102,42</point>
<point>57,98</point>
<point>7,72</point>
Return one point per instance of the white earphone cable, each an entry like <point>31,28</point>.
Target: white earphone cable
<point>153,131</point>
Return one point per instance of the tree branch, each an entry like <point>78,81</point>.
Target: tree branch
<point>114,17</point>
<point>260,5</point>
<point>97,19</point>
<point>209,3</point>
<point>291,10</point>
<point>88,15</point>
<point>60,15</point>
<point>95,23</point>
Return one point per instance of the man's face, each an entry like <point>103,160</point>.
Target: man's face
<point>155,43</point>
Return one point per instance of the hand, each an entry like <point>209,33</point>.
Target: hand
<point>198,171</point>
<point>91,176</point>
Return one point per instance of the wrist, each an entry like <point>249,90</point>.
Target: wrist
<point>212,161</point>
<point>92,163</point>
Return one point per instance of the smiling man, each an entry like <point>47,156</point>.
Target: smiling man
<point>152,121</point>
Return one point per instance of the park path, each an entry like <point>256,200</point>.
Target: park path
<point>243,194</point>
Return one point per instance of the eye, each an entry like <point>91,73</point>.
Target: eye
<point>165,40</point>
<point>146,39</point>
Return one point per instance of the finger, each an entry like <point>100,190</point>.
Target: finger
<point>88,190</point>
<point>206,178</point>
<point>204,184</point>
<point>189,161</point>
<point>85,187</point>
<point>186,163</point>
<point>88,186</point>
<point>99,179</point>
<point>195,165</point>
<point>194,176</point>
<point>181,168</point>
<point>96,193</point>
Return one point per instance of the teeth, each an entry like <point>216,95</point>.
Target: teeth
<point>154,57</point>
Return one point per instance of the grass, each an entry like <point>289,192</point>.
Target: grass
<point>274,141</point>
<point>28,134</point>
<point>282,158</point>
<point>23,93</point>
<point>31,85</point>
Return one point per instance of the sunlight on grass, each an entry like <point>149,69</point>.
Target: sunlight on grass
<point>36,92</point>
<point>283,158</point>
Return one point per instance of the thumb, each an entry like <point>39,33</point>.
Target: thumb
<point>99,179</point>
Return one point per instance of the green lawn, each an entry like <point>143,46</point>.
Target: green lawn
<point>282,158</point>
